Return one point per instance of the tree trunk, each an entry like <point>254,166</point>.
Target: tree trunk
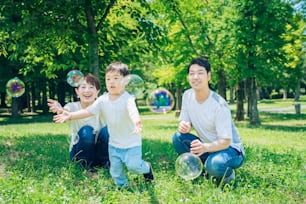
<point>178,103</point>
<point>44,98</point>
<point>222,83</point>
<point>285,93</point>
<point>33,97</point>
<point>240,99</point>
<point>93,40</point>
<point>247,96</point>
<point>61,92</point>
<point>15,113</point>
<point>254,114</point>
<point>296,103</point>
<point>232,95</point>
<point>3,104</point>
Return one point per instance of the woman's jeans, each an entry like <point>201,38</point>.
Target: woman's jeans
<point>91,149</point>
<point>217,164</point>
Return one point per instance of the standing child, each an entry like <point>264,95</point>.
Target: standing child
<point>124,126</point>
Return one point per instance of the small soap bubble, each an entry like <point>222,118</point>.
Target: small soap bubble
<point>160,101</point>
<point>133,84</point>
<point>188,166</point>
<point>75,78</point>
<point>15,87</point>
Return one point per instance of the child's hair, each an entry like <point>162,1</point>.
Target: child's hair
<point>119,67</point>
<point>92,80</point>
<point>201,62</point>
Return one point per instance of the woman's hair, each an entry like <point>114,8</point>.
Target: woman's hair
<point>201,62</point>
<point>119,67</point>
<point>92,80</point>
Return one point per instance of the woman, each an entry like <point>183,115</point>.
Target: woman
<point>89,142</point>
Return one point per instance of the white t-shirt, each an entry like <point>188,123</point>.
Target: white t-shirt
<point>117,114</point>
<point>95,121</point>
<point>211,119</point>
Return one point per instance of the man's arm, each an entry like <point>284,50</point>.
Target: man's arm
<point>198,148</point>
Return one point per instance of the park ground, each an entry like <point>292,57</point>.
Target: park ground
<point>35,166</point>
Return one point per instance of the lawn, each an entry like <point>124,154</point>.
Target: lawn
<point>35,166</point>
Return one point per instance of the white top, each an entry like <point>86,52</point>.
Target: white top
<point>96,122</point>
<point>117,114</point>
<point>211,119</point>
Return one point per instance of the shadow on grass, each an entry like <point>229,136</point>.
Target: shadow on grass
<point>283,121</point>
<point>24,119</point>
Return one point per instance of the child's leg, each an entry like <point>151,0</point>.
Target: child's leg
<point>134,162</point>
<point>116,168</point>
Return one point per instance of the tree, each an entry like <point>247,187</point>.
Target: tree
<point>52,37</point>
<point>260,26</point>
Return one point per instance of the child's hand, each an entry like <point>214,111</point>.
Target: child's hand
<point>138,127</point>
<point>55,106</point>
<point>61,118</point>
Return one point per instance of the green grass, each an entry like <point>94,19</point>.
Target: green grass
<point>35,166</point>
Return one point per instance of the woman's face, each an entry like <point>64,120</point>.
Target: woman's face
<point>87,92</point>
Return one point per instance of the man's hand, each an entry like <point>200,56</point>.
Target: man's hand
<point>198,148</point>
<point>184,127</point>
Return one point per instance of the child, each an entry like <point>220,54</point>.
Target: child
<point>89,137</point>
<point>124,125</point>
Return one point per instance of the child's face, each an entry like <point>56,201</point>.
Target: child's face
<point>87,92</point>
<point>113,81</point>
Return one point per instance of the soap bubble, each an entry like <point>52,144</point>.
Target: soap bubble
<point>188,166</point>
<point>160,101</point>
<point>75,78</point>
<point>15,87</point>
<point>133,84</point>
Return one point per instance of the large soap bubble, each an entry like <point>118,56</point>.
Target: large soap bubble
<point>133,84</point>
<point>15,87</point>
<point>160,101</point>
<point>75,78</point>
<point>188,166</point>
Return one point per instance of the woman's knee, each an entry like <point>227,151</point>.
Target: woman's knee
<point>86,135</point>
<point>103,135</point>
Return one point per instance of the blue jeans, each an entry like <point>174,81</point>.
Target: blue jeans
<point>131,157</point>
<point>217,164</point>
<point>91,149</point>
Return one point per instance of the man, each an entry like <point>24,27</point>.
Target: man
<point>217,143</point>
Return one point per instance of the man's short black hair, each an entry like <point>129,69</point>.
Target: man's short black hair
<point>201,62</point>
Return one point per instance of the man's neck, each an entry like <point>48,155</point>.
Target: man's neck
<point>202,95</point>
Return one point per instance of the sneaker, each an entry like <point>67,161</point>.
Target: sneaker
<point>106,165</point>
<point>229,178</point>
<point>204,174</point>
<point>149,176</point>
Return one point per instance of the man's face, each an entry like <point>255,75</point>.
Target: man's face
<point>198,77</point>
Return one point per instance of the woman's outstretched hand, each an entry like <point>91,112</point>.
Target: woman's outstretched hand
<point>55,106</point>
